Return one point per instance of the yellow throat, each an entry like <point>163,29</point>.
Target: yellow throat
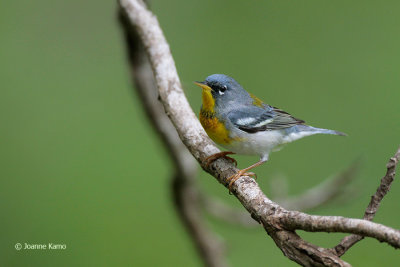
<point>208,100</point>
<point>215,129</point>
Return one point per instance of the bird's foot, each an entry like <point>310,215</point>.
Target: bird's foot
<point>237,175</point>
<point>216,156</point>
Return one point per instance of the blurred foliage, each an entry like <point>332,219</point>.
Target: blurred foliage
<point>80,164</point>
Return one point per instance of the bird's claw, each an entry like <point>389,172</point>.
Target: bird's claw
<point>216,156</point>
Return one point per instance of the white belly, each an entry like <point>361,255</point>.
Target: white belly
<point>262,143</point>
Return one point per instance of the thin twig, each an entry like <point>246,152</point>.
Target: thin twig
<point>185,193</point>
<point>373,206</point>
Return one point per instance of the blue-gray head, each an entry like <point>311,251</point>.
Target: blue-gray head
<point>224,89</point>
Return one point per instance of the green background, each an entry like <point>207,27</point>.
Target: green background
<point>80,165</point>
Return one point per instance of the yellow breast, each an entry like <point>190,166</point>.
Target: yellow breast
<point>215,129</point>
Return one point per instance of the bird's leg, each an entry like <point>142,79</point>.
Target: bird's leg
<point>216,156</point>
<point>243,172</point>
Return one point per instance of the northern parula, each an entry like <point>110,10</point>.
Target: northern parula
<point>243,124</point>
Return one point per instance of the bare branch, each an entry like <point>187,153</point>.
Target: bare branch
<point>278,222</point>
<point>373,206</point>
<point>313,198</point>
<point>210,247</point>
<point>185,193</point>
<point>338,224</point>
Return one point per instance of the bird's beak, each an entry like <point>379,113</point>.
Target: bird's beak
<point>203,85</point>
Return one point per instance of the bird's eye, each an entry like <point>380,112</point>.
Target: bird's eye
<point>222,89</point>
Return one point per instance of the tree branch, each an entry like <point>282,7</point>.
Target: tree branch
<point>373,206</point>
<point>278,222</point>
<point>184,191</point>
<point>294,220</point>
<point>313,198</point>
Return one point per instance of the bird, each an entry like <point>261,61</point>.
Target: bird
<point>243,124</point>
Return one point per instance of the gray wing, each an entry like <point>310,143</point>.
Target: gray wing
<point>254,119</point>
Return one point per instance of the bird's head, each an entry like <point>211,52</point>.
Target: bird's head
<point>221,89</point>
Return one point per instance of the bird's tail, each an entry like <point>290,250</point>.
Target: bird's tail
<point>323,131</point>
